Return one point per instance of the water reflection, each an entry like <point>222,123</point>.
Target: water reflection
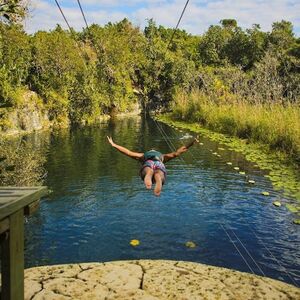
<point>22,160</point>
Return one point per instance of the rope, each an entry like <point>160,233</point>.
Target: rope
<point>89,34</point>
<point>63,15</point>
<point>273,256</point>
<point>171,145</point>
<point>72,33</point>
<point>181,143</point>
<point>165,136</point>
<point>237,249</point>
<point>249,253</point>
<point>174,31</point>
<point>168,141</point>
<point>86,24</point>
<point>265,247</point>
<point>173,35</point>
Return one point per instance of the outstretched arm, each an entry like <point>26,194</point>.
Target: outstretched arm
<point>135,155</point>
<point>180,150</point>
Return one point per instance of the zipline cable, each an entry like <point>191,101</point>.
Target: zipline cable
<point>61,11</point>
<point>171,145</point>
<point>237,249</point>
<point>72,33</point>
<point>166,136</point>
<point>158,125</point>
<point>176,27</point>
<point>221,225</point>
<point>273,256</point>
<point>172,36</point>
<point>263,244</point>
<point>83,15</point>
<point>99,52</point>
<point>248,253</point>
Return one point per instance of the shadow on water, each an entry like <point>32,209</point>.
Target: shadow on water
<point>99,204</point>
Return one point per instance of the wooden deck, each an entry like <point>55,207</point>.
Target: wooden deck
<point>15,202</point>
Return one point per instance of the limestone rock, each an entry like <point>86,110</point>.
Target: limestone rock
<point>150,280</point>
<point>125,276</point>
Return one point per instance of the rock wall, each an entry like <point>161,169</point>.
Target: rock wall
<point>29,115</point>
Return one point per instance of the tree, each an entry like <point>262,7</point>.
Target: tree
<point>15,57</point>
<point>13,11</point>
<point>229,23</point>
<point>282,36</point>
<point>212,45</point>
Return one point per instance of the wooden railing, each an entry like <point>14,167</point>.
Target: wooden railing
<point>15,202</point>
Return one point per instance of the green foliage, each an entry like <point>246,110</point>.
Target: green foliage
<point>15,54</point>
<point>17,171</point>
<point>229,23</point>
<point>81,75</point>
<point>13,11</point>
<point>119,47</point>
<point>276,125</point>
<point>282,36</point>
<point>211,47</point>
<point>55,61</point>
<point>168,65</point>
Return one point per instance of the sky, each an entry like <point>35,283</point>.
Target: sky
<point>199,15</point>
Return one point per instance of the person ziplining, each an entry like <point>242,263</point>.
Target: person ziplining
<point>153,168</point>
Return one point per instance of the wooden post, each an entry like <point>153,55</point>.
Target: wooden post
<point>13,259</point>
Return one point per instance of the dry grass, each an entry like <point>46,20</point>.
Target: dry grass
<point>274,124</point>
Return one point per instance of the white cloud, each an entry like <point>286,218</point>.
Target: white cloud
<point>198,16</point>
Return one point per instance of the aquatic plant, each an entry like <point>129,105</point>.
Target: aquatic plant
<point>283,173</point>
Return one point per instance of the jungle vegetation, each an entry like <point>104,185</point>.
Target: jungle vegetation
<point>243,82</point>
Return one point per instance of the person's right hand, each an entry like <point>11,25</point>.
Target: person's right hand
<point>110,140</point>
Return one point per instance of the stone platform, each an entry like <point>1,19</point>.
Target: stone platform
<point>150,279</point>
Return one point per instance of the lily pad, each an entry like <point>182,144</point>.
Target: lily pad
<point>221,149</point>
<point>134,243</point>
<point>229,163</point>
<point>242,172</point>
<point>277,203</point>
<point>292,208</point>
<point>277,165</point>
<point>215,153</point>
<point>236,168</point>
<point>201,144</point>
<point>296,221</point>
<point>265,193</point>
<point>251,181</point>
<point>190,244</point>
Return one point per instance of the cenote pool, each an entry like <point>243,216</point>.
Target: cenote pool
<point>99,205</point>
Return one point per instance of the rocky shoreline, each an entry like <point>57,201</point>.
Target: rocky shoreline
<point>150,279</point>
<point>32,115</point>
